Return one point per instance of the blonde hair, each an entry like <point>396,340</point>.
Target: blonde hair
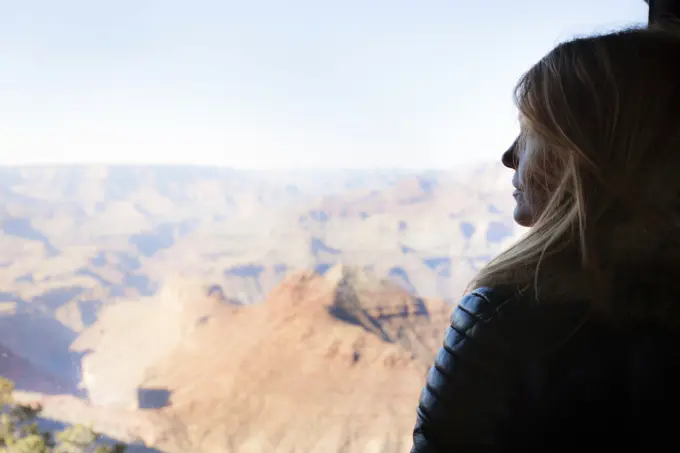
<point>605,111</point>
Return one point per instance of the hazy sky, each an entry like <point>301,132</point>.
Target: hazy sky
<point>276,83</point>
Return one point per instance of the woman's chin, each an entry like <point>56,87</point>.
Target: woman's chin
<point>523,217</point>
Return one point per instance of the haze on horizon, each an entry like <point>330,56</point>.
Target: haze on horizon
<point>267,84</point>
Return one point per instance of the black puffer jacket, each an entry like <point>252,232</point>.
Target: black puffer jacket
<point>514,376</point>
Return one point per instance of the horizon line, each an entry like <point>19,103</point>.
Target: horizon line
<point>238,168</point>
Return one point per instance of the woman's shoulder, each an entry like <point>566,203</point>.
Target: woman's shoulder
<point>514,323</point>
<point>486,301</point>
<point>492,333</point>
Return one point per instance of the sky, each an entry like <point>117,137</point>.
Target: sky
<point>276,84</point>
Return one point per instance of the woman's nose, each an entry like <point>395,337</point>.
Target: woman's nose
<point>509,158</point>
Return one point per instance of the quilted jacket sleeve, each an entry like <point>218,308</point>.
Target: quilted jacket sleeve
<point>465,393</point>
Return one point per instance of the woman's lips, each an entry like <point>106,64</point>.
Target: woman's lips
<point>516,193</point>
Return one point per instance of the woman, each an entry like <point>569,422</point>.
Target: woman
<point>570,339</point>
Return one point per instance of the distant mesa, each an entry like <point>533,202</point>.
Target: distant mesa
<point>382,307</point>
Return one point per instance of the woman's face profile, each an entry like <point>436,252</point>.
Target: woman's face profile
<point>525,210</point>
